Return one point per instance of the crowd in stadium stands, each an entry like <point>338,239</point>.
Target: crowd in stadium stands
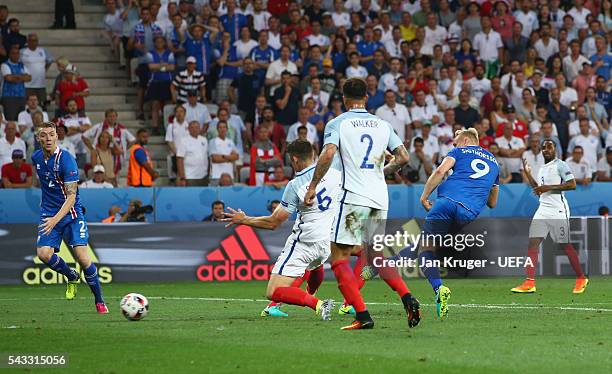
<point>230,83</point>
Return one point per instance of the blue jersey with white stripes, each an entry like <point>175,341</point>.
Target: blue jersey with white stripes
<point>474,174</point>
<point>54,173</point>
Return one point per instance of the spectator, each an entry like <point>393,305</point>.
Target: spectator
<point>196,111</point>
<point>559,114</point>
<point>4,26</point>
<point>595,111</point>
<point>278,179</point>
<point>422,110</point>
<point>17,174</point>
<point>516,45</point>
<point>286,100</point>
<point>355,70</point>
<point>120,136</point>
<point>113,25</point>
<point>160,65</point>
<point>24,119</point>
<point>107,153</point>
<point>9,143</point>
<point>174,35</point>
<point>580,167</point>
<point>589,143</point>
<point>419,166</point>
<point>15,75</point>
<point>292,132</point>
<point>140,171</point>
<point>378,67</point>
<point>504,175</point>
<point>278,136</point>
<point>264,158</point>
<point>14,37</point>
<point>533,156</point>
<point>140,43</point>
<point>574,126</point>
<point>64,10</point>
<point>573,63</point>
<point>187,80</point>
<point>397,115</point>
<point>72,87</point>
<point>232,21</point>
<point>63,141</point>
<point>584,80</point>
<point>431,146</point>
<point>519,128</point>
<point>487,103</point>
<point>488,44</point>
<point>464,114</point>
<point>548,132</point>
<point>328,76</point>
<point>388,80</point>
<point>242,137</point>
<point>177,130</point>
<point>484,140</point>
<point>260,16</point>
<point>602,60</point>
<point>546,46</point>
<point>37,61</point>
<point>225,180</point>
<point>245,90</point>
<point>376,97</point>
<point>511,150</point>
<point>216,213</point>
<point>321,98</point>
<point>223,153</point>
<point>77,125</point>
<point>276,71</point>
<point>98,180</point>
<point>604,167</point>
<point>192,158</point>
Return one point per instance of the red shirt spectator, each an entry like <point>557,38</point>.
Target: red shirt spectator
<point>486,141</point>
<point>72,86</point>
<point>17,174</point>
<point>278,7</point>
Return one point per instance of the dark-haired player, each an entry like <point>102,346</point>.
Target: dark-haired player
<point>552,216</point>
<point>61,214</point>
<point>307,248</point>
<point>361,139</point>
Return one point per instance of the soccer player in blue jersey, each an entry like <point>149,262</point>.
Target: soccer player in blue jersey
<point>472,184</point>
<point>61,214</point>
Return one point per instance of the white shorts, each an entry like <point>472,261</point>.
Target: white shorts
<point>553,221</point>
<point>355,224</point>
<point>297,257</point>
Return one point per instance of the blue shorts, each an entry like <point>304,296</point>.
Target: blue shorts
<point>447,217</point>
<point>72,230</point>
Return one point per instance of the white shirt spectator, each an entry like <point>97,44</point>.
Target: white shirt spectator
<point>513,163</point>
<point>421,113</point>
<point>113,23</point>
<point>581,169</point>
<point>274,40</point>
<point>571,68</point>
<point>76,139</point>
<point>487,45</point>
<point>590,146</point>
<point>92,184</point>
<point>67,145</point>
<point>25,118</point>
<point>441,130</point>
<point>322,100</point>
<point>36,62</point>
<point>529,21</point>
<point>386,35</point>
<point>388,81</point>
<point>356,72</point>
<point>398,117</point>
<point>124,139</point>
<point>603,165</point>
<point>547,50</point>
<point>341,19</point>
<point>580,17</point>
<point>260,20</point>
<point>430,146</point>
<point>243,49</point>
<point>6,150</point>
<point>574,128</point>
<point>479,87</point>
<point>199,113</point>
<point>568,96</point>
<point>292,132</point>
<point>394,49</point>
<point>194,152</point>
<point>320,40</point>
<point>225,147</point>
<point>536,125</point>
<point>433,37</point>
<point>535,161</point>
<point>177,131</point>
<point>276,68</point>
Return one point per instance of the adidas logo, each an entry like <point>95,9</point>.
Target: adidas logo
<point>41,274</point>
<point>233,261</point>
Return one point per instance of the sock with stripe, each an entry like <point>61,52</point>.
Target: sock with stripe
<point>294,296</point>
<point>59,265</point>
<point>315,279</point>
<point>530,271</point>
<point>361,261</point>
<point>297,283</point>
<point>347,284</point>
<point>572,255</point>
<point>391,276</point>
<point>431,272</point>
<point>91,276</point>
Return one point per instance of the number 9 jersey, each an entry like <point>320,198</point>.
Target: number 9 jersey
<point>474,174</point>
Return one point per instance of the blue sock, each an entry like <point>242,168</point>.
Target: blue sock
<point>91,276</point>
<point>58,264</point>
<point>431,272</point>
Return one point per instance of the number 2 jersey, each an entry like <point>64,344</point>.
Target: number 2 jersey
<point>313,223</point>
<point>474,174</point>
<point>53,173</point>
<point>362,139</point>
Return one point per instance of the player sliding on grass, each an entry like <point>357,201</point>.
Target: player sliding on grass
<point>472,185</point>
<point>552,215</point>
<point>61,214</point>
<point>307,247</point>
<point>361,139</point>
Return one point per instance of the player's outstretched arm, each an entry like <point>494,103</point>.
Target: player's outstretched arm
<point>325,160</point>
<point>49,223</point>
<point>400,158</point>
<point>434,181</point>
<point>566,186</point>
<point>271,222</point>
<point>493,195</point>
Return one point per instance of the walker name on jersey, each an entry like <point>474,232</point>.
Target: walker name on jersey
<point>364,123</point>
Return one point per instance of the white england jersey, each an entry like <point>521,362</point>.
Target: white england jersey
<point>362,139</point>
<point>554,172</point>
<point>313,223</point>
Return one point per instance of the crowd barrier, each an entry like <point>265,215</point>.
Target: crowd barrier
<point>193,203</point>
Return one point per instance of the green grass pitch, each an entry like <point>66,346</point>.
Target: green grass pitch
<point>216,328</point>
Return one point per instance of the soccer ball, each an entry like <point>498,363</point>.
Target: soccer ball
<point>134,306</point>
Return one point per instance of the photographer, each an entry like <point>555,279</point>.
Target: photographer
<point>136,212</point>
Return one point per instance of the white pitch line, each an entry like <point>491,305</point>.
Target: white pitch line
<point>471,305</point>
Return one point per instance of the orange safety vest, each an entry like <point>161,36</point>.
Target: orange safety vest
<point>110,219</point>
<point>137,175</point>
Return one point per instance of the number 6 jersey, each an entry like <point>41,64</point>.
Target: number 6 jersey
<point>313,223</point>
<point>474,174</point>
<point>362,139</point>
